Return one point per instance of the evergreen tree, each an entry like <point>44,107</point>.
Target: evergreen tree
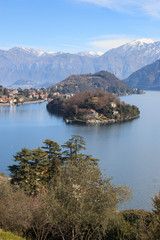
<point>30,171</point>
<point>74,145</point>
<point>39,169</point>
<point>73,151</point>
<point>5,92</point>
<point>81,205</point>
<point>55,162</point>
<point>22,171</point>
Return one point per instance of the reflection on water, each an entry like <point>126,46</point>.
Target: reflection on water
<point>128,151</point>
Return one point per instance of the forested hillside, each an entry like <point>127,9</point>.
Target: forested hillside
<point>90,82</point>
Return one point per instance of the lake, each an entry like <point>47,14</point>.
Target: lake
<point>129,151</point>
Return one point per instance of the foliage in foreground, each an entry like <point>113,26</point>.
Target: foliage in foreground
<point>60,193</point>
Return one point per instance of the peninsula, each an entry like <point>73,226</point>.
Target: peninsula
<point>96,107</point>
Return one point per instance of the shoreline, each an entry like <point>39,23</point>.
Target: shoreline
<point>95,122</point>
<point>15,105</point>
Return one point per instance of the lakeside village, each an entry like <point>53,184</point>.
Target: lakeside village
<point>9,96</point>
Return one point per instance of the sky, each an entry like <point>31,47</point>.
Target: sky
<point>77,25</point>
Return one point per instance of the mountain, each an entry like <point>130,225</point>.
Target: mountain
<point>90,82</point>
<point>126,59</point>
<point>41,67</point>
<point>23,51</point>
<point>147,78</point>
<point>22,83</point>
<point>91,54</point>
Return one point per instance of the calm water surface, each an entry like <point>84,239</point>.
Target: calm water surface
<point>130,151</point>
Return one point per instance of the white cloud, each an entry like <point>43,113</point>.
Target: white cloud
<point>152,8</point>
<point>110,41</point>
<point>149,7</point>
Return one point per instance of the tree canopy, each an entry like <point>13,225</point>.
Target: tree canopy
<point>98,105</point>
<point>58,192</point>
<point>69,197</point>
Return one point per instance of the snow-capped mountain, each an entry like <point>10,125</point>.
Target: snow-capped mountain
<point>141,42</point>
<point>40,67</point>
<point>128,58</point>
<point>54,53</point>
<point>22,50</point>
<point>90,53</point>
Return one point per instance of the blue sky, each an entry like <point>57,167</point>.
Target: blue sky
<point>77,25</point>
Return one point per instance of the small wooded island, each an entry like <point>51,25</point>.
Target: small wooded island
<point>97,107</point>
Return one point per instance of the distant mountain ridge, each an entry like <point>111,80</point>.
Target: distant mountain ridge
<point>22,83</point>
<point>41,67</point>
<point>147,78</point>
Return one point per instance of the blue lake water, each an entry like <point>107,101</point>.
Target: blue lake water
<point>130,151</point>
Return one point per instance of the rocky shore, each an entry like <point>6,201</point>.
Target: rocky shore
<point>98,122</point>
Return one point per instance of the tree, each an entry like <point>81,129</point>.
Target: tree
<point>30,171</point>
<point>36,168</point>
<point>5,92</point>
<point>73,151</point>
<point>39,168</point>
<point>84,204</point>
<point>55,161</point>
<point>74,145</point>
<point>156,204</point>
<point>15,208</point>
<point>26,93</point>
<point>21,172</point>
<point>81,204</point>
<point>156,216</point>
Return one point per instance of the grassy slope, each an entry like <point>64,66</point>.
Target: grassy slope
<point>9,236</point>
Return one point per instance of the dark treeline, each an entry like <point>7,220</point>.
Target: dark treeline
<point>58,192</point>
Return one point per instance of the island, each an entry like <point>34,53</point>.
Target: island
<point>93,107</point>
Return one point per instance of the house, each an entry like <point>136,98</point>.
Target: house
<point>115,112</point>
<point>113,104</point>
<point>91,113</point>
<point>94,113</point>
<point>13,91</point>
<point>21,100</point>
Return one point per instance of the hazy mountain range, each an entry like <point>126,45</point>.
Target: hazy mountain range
<point>40,67</point>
